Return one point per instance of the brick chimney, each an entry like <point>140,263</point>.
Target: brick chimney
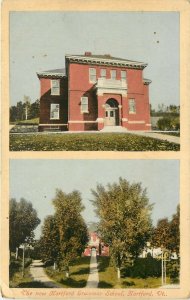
<point>88,53</point>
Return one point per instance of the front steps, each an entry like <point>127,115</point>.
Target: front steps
<point>113,129</point>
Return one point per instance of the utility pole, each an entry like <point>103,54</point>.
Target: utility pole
<point>23,260</point>
<point>162,266</point>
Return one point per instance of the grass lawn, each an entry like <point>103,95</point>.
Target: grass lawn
<point>17,281</point>
<point>34,121</point>
<point>108,278</point>
<point>79,271</point>
<point>88,142</point>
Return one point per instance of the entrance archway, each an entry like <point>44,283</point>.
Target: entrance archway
<point>111,113</point>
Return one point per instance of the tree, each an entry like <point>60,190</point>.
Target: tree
<point>23,220</point>
<point>174,240</point>
<point>13,114</point>
<point>35,109</point>
<point>65,233</point>
<point>125,223</point>
<point>161,233</point>
<point>50,242</point>
<point>20,111</point>
<point>167,234</point>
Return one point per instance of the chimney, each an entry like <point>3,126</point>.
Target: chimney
<point>88,53</point>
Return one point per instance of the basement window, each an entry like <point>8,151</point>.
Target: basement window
<point>54,112</point>
<point>84,104</point>
<point>55,87</point>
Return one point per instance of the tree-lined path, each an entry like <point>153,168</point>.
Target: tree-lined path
<point>38,274</point>
<point>93,278</point>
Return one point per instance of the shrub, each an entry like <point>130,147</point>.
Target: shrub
<point>168,123</point>
<point>173,270</point>
<point>143,268</point>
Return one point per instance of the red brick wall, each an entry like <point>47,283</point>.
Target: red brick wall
<point>79,86</point>
<point>47,99</point>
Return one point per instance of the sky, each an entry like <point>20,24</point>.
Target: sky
<point>36,180</point>
<point>40,40</point>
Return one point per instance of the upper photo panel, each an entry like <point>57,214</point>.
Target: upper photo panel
<point>94,81</point>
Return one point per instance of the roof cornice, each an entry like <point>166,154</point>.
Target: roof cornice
<point>50,75</point>
<point>146,81</point>
<point>105,61</point>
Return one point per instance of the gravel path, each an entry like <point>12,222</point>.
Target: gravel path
<point>93,278</point>
<point>38,274</point>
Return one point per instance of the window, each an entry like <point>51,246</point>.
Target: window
<point>113,74</point>
<point>103,73</point>
<point>55,87</point>
<point>54,112</point>
<point>92,75</point>
<point>132,106</point>
<point>123,75</point>
<point>84,104</point>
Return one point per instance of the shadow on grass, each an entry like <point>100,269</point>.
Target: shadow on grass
<point>128,283</point>
<point>104,285</point>
<point>81,272</point>
<point>81,261</point>
<point>34,284</point>
<point>103,263</point>
<point>73,283</point>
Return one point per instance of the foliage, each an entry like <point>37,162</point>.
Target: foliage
<point>168,123</point>
<point>167,233</point>
<point>165,111</point>
<point>23,220</point>
<point>143,268</point>
<point>16,265</point>
<point>174,229</point>
<point>49,242</point>
<point>24,110</point>
<point>173,268</point>
<point>79,272</point>
<point>125,223</point>
<point>88,142</point>
<point>108,277</point>
<point>64,235</point>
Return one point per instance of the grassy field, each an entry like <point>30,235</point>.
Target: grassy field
<point>108,278</point>
<point>88,142</point>
<point>79,271</point>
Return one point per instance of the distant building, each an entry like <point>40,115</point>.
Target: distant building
<point>93,92</point>
<point>96,243</point>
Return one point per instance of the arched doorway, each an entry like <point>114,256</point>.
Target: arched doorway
<point>111,113</point>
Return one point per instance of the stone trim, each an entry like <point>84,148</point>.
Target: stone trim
<point>136,122</point>
<point>81,122</point>
<point>52,124</point>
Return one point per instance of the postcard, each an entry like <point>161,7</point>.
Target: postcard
<point>95,149</point>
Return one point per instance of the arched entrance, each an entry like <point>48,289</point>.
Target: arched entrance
<point>111,113</point>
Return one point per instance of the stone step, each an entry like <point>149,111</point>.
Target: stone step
<point>113,129</point>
